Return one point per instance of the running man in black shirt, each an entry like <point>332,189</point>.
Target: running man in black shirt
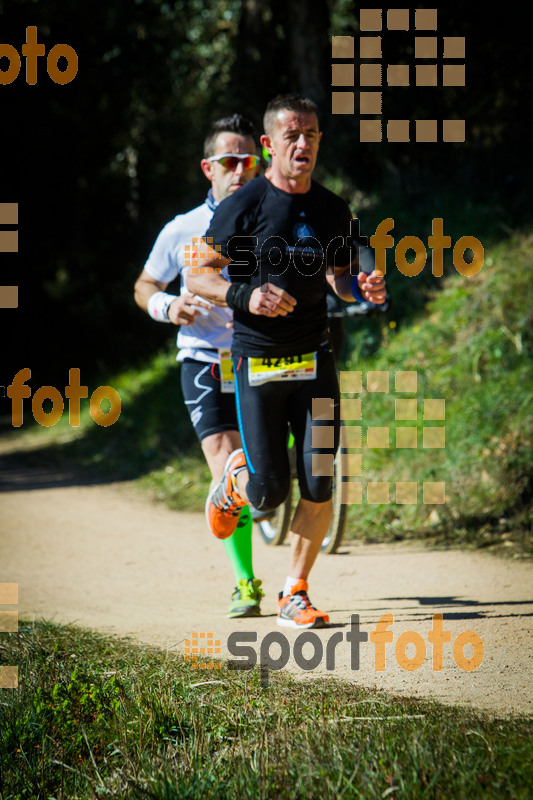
<point>283,237</point>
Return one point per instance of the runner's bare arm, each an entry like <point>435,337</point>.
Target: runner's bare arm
<point>205,280</point>
<point>372,287</point>
<point>181,311</point>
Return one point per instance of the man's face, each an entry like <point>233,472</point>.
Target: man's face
<point>294,143</point>
<point>223,180</point>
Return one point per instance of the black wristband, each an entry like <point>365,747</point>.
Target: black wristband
<point>238,296</point>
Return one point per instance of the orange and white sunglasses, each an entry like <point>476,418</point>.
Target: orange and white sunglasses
<point>232,160</point>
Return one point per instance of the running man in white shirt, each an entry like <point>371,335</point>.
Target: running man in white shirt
<point>229,162</point>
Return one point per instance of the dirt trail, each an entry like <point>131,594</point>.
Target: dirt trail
<point>104,557</point>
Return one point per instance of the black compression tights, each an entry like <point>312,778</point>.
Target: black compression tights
<point>264,413</point>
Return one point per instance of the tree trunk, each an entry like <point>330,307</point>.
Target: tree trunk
<point>283,47</point>
<point>309,46</point>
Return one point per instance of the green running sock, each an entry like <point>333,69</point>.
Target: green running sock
<point>239,547</point>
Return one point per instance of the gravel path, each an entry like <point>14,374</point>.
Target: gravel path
<point>104,557</point>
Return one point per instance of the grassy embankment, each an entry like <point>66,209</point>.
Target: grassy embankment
<point>94,717</point>
<point>471,346</point>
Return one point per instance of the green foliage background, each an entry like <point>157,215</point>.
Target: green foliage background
<point>99,165</point>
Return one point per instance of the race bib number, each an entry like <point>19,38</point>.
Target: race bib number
<point>227,376</point>
<point>281,368</point>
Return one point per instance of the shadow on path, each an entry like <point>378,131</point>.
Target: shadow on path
<point>418,608</point>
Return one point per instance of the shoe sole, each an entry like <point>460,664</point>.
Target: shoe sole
<point>319,622</point>
<point>249,611</point>
<point>212,488</point>
<point>207,505</point>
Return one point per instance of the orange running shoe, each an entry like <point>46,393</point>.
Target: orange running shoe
<point>295,610</point>
<point>223,504</point>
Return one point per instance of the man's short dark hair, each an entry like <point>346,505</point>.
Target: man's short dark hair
<point>234,124</point>
<point>287,102</point>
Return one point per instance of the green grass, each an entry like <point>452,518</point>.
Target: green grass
<point>471,345</point>
<point>152,441</point>
<point>97,717</point>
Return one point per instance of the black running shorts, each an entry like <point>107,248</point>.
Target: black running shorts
<point>210,410</point>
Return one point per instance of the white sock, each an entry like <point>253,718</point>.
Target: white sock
<point>290,583</point>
